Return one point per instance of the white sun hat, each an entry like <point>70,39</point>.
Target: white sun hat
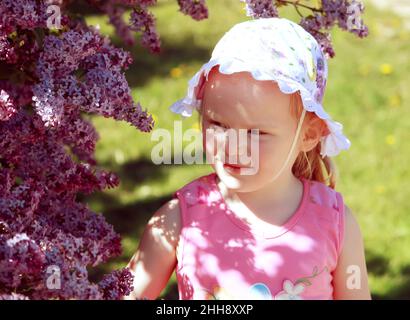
<point>274,49</point>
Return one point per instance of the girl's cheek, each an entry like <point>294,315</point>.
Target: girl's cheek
<point>269,149</point>
<point>265,152</point>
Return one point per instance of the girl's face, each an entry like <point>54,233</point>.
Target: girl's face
<point>238,101</point>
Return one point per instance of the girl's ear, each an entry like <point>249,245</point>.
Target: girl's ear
<point>325,129</point>
<point>315,129</point>
<point>199,89</point>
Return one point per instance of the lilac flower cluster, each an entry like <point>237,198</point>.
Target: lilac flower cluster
<point>194,8</point>
<point>120,281</point>
<point>47,146</point>
<point>346,14</point>
<point>41,224</point>
<point>101,88</point>
<point>7,108</point>
<point>143,21</point>
<point>47,154</point>
<point>24,14</point>
<point>260,8</point>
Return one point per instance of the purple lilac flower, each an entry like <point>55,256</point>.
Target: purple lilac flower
<point>7,108</point>
<point>346,14</point>
<point>195,8</point>
<point>60,75</point>
<point>260,8</point>
<point>143,21</point>
<point>117,284</point>
<point>102,89</point>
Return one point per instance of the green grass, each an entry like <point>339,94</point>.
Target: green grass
<point>374,108</point>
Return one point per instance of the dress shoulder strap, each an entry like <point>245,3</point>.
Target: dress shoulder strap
<point>329,198</point>
<point>199,192</point>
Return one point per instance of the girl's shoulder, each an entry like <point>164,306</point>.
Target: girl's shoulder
<point>165,223</point>
<point>329,207</point>
<point>325,196</point>
<point>198,191</point>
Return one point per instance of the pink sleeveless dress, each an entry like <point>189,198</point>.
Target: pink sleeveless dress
<point>222,256</point>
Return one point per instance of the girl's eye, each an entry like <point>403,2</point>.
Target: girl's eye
<point>249,131</point>
<point>216,123</point>
<point>255,132</point>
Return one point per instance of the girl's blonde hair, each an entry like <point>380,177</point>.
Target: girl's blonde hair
<point>310,165</point>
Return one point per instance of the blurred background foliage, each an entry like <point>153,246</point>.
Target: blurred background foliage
<point>368,91</point>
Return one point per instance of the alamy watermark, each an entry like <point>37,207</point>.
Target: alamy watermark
<point>53,280</point>
<point>54,18</point>
<point>241,146</point>
<point>353,281</point>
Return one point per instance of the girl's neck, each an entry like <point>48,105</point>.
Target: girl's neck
<point>284,192</point>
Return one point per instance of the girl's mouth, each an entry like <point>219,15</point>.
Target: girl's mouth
<point>234,168</point>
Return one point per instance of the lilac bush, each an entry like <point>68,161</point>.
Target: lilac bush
<point>50,78</point>
<point>51,75</point>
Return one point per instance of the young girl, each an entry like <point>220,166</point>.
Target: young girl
<point>283,232</point>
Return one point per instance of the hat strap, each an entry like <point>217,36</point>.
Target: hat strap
<point>302,117</point>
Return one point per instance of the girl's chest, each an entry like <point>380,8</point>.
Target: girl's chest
<point>292,266</point>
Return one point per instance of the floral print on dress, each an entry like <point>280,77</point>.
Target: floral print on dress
<point>290,291</point>
<point>219,293</point>
<point>260,291</point>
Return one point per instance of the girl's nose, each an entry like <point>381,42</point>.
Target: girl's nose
<point>236,145</point>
